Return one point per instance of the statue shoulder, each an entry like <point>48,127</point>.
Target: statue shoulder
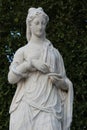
<point>19,54</point>
<point>51,45</point>
<point>55,50</point>
<point>48,42</point>
<point>20,50</point>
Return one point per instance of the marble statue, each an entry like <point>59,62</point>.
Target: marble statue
<point>44,95</point>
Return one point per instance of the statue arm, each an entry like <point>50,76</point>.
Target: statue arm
<point>59,77</point>
<point>58,81</point>
<point>19,68</point>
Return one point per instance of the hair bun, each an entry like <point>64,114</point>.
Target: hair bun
<point>40,8</point>
<point>31,9</point>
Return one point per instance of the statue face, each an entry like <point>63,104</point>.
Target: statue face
<point>38,26</point>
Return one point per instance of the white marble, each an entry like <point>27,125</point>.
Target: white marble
<point>44,95</point>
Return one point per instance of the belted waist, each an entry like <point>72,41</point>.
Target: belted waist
<point>45,109</point>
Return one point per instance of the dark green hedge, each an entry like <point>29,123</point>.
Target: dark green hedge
<point>67,30</point>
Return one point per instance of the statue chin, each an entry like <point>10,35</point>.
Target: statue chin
<point>39,35</point>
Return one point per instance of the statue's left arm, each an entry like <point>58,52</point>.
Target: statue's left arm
<point>58,77</point>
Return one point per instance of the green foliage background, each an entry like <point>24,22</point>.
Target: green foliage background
<point>67,30</point>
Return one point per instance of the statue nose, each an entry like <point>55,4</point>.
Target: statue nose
<point>40,26</point>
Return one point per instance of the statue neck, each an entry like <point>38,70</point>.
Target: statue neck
<point>37,40</point>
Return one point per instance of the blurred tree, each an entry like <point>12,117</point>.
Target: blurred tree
<point>68,32</point>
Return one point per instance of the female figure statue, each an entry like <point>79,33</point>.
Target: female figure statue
<point>44,95</point>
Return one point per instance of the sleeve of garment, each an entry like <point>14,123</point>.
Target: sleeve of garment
<point>18,68</point>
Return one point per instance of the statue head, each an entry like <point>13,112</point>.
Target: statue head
<point>34,13</point>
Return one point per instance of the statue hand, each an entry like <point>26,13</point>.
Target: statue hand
<point>40,65</point>
<point>55,77</point>
<point>29,66</point>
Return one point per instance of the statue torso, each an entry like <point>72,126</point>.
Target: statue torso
<point>32,51</point>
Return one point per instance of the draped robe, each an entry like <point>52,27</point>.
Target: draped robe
<point>38,97</point>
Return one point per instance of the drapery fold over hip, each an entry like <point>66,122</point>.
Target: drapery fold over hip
<point>44,109</point>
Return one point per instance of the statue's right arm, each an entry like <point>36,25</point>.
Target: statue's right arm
<point>18,68</point>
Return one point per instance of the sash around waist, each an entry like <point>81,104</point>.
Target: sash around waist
<point>48,109</point>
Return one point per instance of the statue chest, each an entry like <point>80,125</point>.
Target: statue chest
<point>32,53</point>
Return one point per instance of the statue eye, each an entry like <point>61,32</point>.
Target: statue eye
<point>43,22</point>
